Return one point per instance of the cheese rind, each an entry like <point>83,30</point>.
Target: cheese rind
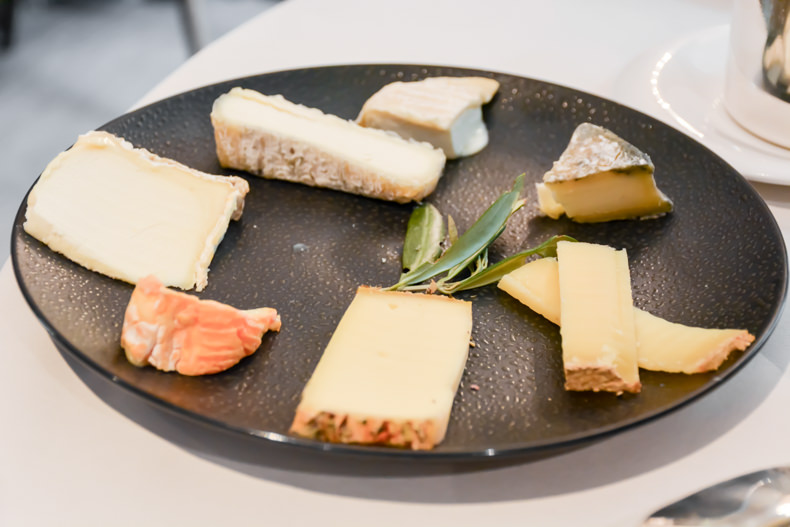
<point>661,345</point>
<point>127,213</point>
<point>390,371</point>
<point>596,310</point>
<point>274,138</point>
<point>600,177</point>
<point>444,111</point>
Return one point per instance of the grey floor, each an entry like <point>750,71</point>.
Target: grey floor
<point>76,64</point>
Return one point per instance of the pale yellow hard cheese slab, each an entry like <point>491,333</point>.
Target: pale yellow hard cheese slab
<point>390,371</point>
<point>661,345</point>
<point>596,310</point>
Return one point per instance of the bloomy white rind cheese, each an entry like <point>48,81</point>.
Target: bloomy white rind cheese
<point>444,111</point>
<point>601,177</point>
<point>274,138</point>
<point>390,371</point>
<point>661,345</point>
<point>127,213</point>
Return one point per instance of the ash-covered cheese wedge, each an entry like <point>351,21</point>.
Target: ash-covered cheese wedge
<point>174,331</point>
<point>275,138</point>
<point>600,177</point>
<point>444,111</point>
<point>597,314</point>
<point>127,213</point>
<point>389,373</point>
<point>661,345</point>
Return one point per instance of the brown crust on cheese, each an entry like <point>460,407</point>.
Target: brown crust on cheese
<point>598,379</point>
<point>343,428</point>
<point>271,156</point>
<point>739,342</point>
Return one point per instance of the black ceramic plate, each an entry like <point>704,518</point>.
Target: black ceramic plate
<point>717,261</point>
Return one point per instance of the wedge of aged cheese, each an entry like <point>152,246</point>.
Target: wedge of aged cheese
<point>444,111</point>
<point>174,331</point>
<point>128,213</point>
<point>601,177</point>
<point>597,314</point>
<point>274,138</point>
<point>390,371</point>
<point>661,345</point>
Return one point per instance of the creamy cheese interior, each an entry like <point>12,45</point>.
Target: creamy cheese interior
<point>395,356</point>
<point>122,213</point>
<point>536,284</point>
<point>546,202</point>
<point>408,161</point>
<point>610,195</point>
<point>469,133</point>
<point>596,311</point>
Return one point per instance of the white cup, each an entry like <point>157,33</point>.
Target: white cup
<point>747,90</point>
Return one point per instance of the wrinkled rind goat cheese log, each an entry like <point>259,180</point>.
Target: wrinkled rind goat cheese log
<point>274,138</point>
<point>174,331</point>
<point>600,177</point>
<point>661,345</point>
<point>444,111</point>
<point>390,371</point>
<point>597,315</point>
<point>127,213</point>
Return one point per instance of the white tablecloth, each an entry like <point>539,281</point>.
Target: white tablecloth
<point>72,453</point>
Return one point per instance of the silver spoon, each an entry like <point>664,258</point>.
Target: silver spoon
<point>759,499</point>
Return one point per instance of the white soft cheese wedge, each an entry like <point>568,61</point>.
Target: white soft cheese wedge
<point>600,177</point>
<point>127,213</point>
<point>390,371</point>
<point>444,111</point>
<point>661,345</point>
<point>597,314</point>
<point>274,138</point>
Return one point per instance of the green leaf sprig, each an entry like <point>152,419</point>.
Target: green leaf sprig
<point>423,261</point>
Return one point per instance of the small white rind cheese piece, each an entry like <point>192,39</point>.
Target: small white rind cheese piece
<point>390,371</point>
<point>597,314</point>
<point>444,111</point>
<point>127,213</point>
<point>661,345</point>
<point>274,138</point>
<point>600,177</point>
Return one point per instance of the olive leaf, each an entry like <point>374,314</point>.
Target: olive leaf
<point>468,252</point>
<point>424,235</point>
<point>494,273</point>
<point>472,242</point>
<point>452,230</point>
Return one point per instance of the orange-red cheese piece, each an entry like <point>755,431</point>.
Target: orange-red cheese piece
<point>174,331</point>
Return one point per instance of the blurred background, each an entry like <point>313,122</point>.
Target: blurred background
<point>72,65</point>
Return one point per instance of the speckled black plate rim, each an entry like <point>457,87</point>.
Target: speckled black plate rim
<point>515,450</point>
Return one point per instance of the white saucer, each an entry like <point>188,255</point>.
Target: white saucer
<point>682,84</point>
